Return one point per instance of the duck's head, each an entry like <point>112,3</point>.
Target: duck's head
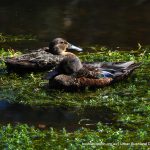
<point>59,46</point>
<point>70,64</point>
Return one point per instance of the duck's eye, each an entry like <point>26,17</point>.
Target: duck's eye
<point>65,43</point>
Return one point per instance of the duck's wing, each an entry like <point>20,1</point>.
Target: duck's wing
<point>115,70</point>
<point>34,61</point>
<point>87,72</point>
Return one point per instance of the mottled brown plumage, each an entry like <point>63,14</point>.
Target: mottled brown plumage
<point>36,61</point>
<point>73,74</point>
<point>42,59</point>
<point>69,82</point>
<point>91,78</point>
<point>69,71</point>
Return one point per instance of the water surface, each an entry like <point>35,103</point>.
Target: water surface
<point>112,23</point>
<point>52,116</point>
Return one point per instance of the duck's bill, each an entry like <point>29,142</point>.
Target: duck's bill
<point>73,47</point>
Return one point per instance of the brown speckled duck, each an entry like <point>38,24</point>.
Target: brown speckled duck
<point>42,59</point>
<point>72,74</point>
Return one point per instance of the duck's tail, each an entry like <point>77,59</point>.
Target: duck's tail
<point>123,70</point>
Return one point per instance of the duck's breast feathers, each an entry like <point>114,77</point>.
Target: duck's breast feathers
<point>82,82</point>
<point>70,64</point>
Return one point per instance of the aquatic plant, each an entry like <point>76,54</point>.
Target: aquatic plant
<point>13,38</point>
<point>129,99</point>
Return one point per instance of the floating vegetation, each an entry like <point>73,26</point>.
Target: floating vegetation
<point>126,103</point>
<point>12,38</point>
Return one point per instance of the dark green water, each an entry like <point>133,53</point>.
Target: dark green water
<point>58,117</point>
<point>122,23</point>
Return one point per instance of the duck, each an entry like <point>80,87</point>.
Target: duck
<point>71,73</point>
<point>41,59</point>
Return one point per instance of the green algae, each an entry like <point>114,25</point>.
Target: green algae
<point>15,38</point>
<point>24,137</point>
<point>130,99</point>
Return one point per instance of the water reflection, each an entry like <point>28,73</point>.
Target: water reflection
<point>85,22</point>
<point>57,117</point>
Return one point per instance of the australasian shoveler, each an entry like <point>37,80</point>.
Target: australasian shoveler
<point>42,59</point>
<point>71,73</point>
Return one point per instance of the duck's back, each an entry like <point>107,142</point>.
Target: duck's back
<point>96,75</point>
